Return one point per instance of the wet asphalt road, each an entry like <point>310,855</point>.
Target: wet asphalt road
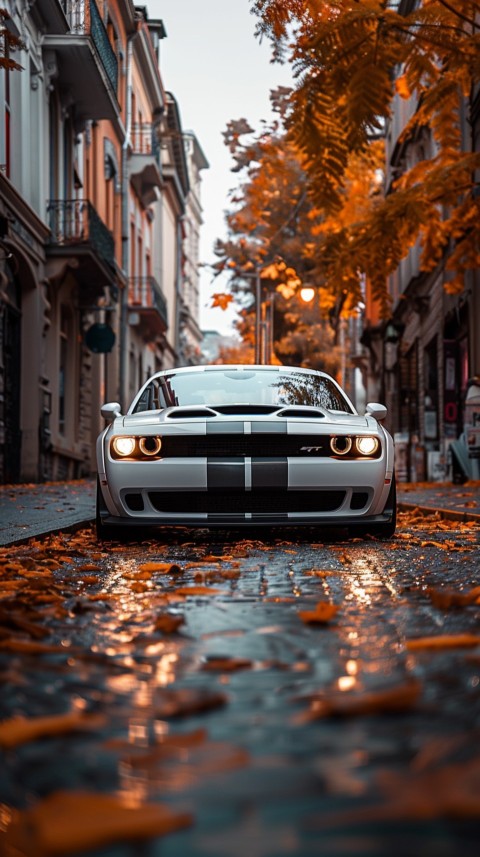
<point>274,764</point>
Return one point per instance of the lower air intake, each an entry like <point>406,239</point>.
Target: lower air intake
<point>226,502</point>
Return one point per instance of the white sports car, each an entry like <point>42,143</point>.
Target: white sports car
<point>232,446</point>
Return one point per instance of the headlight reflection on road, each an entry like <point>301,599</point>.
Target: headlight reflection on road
<point>349,681</point>
<point>165,669</point>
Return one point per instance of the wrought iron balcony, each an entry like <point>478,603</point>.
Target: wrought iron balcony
<point>144,138</point>
<point>84,19</point>
<point>74,223</point>
<point>145,297</point>
<point>144,165</point>
<point>88,65</point>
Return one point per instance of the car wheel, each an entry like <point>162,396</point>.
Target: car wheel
<point>387,530</point>
<point>104,532</point>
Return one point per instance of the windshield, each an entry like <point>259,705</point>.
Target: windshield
<point>242,386</point>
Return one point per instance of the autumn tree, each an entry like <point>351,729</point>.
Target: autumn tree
<point>351,59</point>
<point>9,42</point>
<point>275,227</point>
<point>269,232</point>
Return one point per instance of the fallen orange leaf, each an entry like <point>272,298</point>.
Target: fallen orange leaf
<point>166,744</point>
<point>443,641</point>
<point>322,613</point>
<point>226,664</point>
<point>20,730</point>
<point>70,822</point>
<point>186,701</point>
<point>30,647</point>
<point>167,623</point>
<point>445,598</point>
<point>160,567</point>
<point>197,590</point>
<point>398,698</point>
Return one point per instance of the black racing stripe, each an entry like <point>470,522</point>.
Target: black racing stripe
<point>269,473</point>
<point>226,428</point>
<point>269,428</point>
<point>225,473</point>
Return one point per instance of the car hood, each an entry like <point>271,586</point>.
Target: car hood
<point>294,414</point>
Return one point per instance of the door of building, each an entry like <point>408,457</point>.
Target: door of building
<point>10,378</point>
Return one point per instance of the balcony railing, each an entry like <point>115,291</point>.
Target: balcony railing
<point>144,293</point>
<point>75,221</point>
<point>84,19</point>
<point>144,139</point>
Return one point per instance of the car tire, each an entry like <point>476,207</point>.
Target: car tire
<point>104,532</point>
<point>387,530</point>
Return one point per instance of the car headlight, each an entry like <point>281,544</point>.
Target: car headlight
<point>341,445</point>
<point>123,446</point>
<point>150,445</point>
<point>367,445</point>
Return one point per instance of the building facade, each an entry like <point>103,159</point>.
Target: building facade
<point>93,190</point>
<point>419,361</point>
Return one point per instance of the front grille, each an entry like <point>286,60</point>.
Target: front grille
<point>229,502</point>
<point>242,445</point>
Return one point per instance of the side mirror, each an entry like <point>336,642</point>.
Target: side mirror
<point>110,411</point>
<point>378,412</point>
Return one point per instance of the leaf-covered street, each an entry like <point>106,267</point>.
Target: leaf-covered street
<point>290,692</point>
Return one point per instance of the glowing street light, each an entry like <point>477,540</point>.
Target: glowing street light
<point>307,294</point>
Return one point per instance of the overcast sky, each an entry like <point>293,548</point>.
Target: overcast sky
<point>217,70</point>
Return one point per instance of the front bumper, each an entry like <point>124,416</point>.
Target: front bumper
<point>200,493</point>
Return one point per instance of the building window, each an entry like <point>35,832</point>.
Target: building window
<point>63,370</point>
<point>7,124</point>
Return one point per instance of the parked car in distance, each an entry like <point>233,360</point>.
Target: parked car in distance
<point>238,445</point>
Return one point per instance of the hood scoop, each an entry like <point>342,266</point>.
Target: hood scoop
<point>305,413</point>
<point>190,412</point>
<point>245,410</point>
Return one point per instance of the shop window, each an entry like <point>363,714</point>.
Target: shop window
<point>409,392</point>
<point>431,390</point>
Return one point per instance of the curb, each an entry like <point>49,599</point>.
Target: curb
<point>42,533</point>
<point>446,514</point>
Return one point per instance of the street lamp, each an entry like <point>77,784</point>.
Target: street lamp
<point>307,293</point>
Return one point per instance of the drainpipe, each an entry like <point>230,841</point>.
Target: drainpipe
<point>178,292</point>
<point>125,224</point>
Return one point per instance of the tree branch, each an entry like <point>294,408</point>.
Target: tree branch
<point>458,14</point>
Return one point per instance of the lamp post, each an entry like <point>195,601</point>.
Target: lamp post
<point>258,315</point>
<point>256,277</point>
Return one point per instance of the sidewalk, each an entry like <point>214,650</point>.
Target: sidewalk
<point>37,509</point>
<point>453,502</point>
